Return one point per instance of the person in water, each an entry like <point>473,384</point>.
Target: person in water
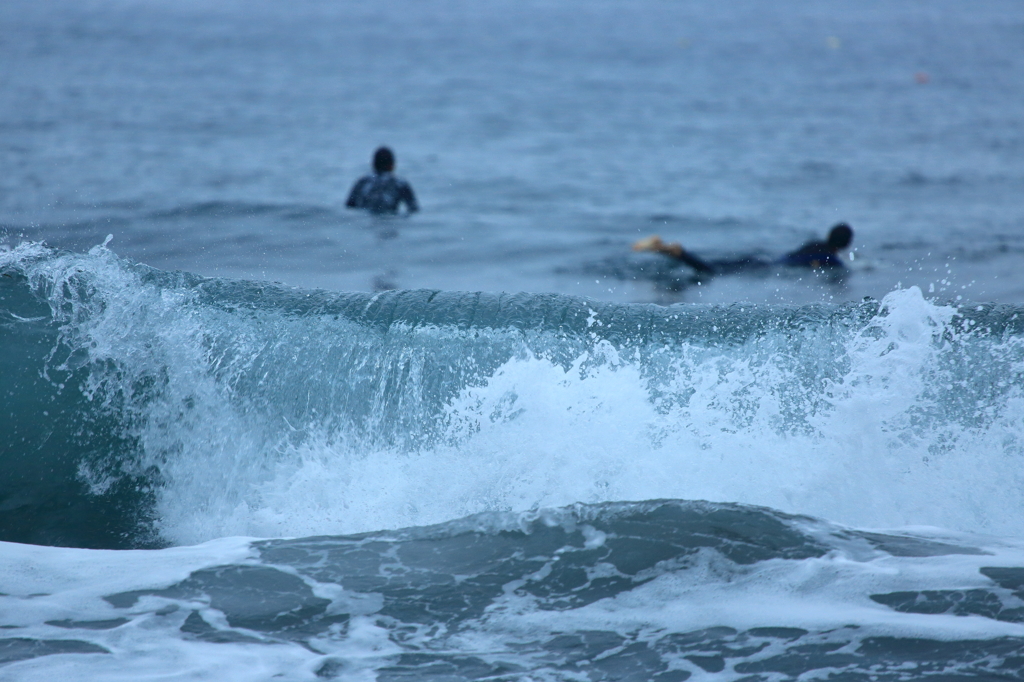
<point>383,191</point>
<point>813,254</point>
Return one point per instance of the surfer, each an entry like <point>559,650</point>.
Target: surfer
<point>382,191</point>
<point>813,254</point>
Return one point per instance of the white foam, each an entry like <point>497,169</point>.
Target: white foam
<point>824,595</point>
<point>713,425</point>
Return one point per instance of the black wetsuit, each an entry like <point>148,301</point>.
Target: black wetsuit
<point>382,193</point>
<point>812,255</point>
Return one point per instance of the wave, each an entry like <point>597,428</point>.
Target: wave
<point>146,407</point>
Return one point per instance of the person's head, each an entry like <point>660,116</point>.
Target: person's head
<point>840,236</point>
<point>383,160</point>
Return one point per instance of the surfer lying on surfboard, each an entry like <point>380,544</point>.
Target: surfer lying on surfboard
<point>813,254</point>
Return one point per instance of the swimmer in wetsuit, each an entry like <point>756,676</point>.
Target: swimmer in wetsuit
<point>813,254</point>
<point>383,191</point>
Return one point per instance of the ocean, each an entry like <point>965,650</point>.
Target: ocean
<point>249,434</point>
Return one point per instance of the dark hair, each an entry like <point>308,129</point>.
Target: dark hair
<point>840,236</point>
<point>383,160</point>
